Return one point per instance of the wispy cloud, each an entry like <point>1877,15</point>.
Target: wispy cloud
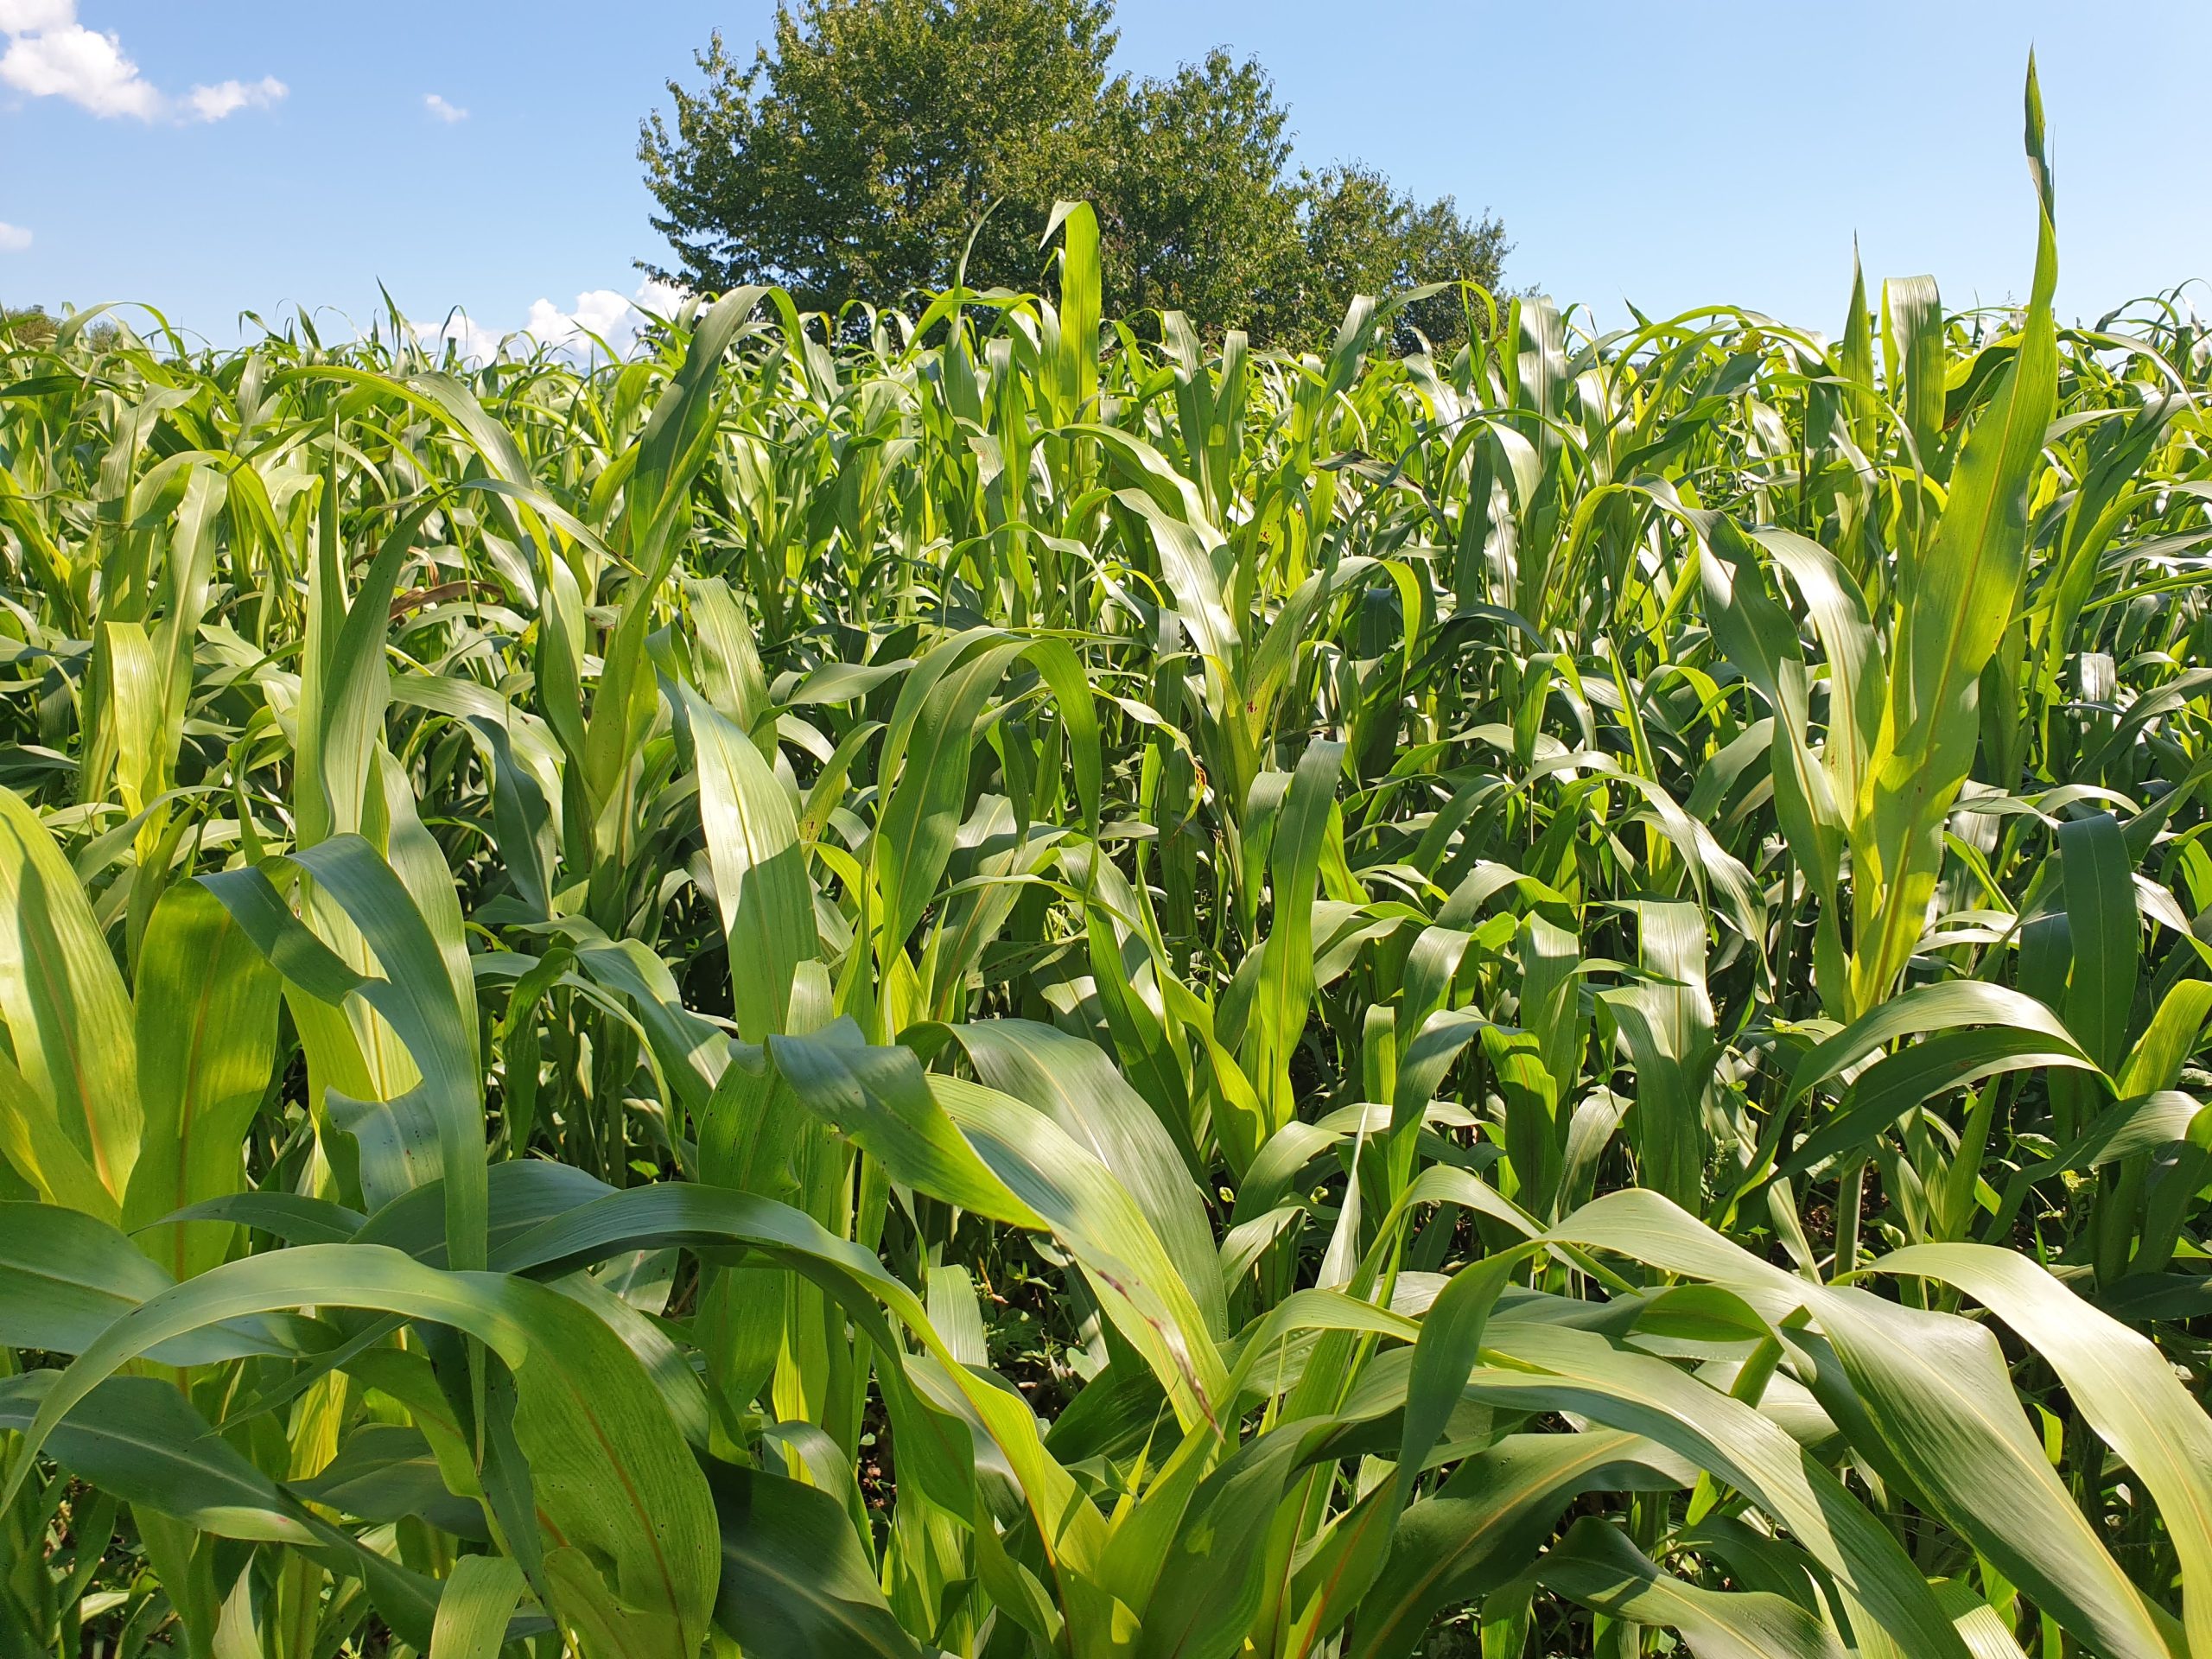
<point>51,54</point>
<point>14,239</point>
<point>229,97</point>
<point>445,111</point>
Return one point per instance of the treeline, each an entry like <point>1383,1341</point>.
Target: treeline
<point>880,147</point>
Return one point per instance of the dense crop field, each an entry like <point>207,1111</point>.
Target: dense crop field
<point>976,983</point>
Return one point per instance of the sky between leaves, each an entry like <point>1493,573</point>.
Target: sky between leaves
<point>217,156</point>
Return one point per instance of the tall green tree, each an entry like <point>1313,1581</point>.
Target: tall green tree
<point>1359,235</point>
<point>1191,192</point>
<point>858,155</point>
<point>874,145</point>
<point>29,327</point>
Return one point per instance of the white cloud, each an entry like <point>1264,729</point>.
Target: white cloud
<point>51,54</point>
<point>661,298</point>
<point>600,311</point>
<point>14,239</point>
<point>479,344</point>
<point>445,111</point>
<point>83,65</point>
<point>229,97</point>
<point>35,17</point>
<point>604,313</point>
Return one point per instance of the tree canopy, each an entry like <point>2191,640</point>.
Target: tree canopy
<point>873,146</point>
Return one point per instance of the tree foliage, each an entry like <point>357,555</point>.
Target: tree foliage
<point>880,147</point>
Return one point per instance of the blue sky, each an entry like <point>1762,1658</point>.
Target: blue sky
<point>211,156</point>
